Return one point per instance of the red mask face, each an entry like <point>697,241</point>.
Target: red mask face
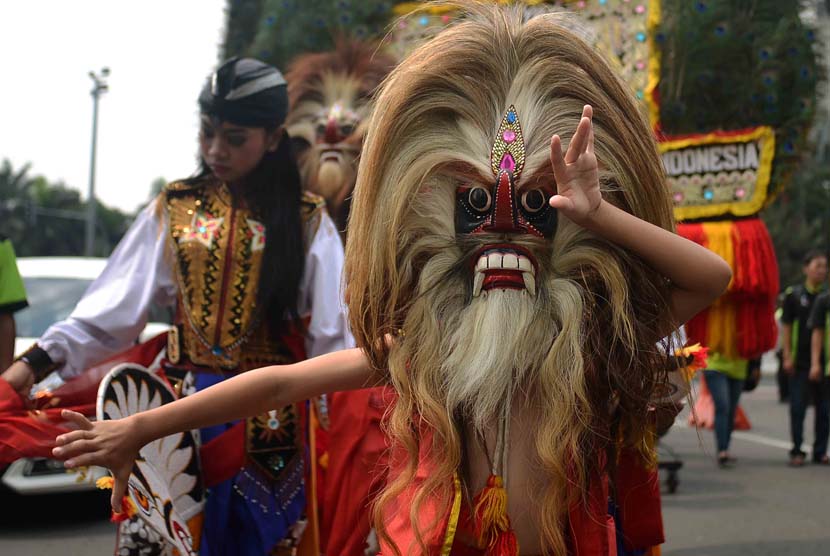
<point>501,210</point>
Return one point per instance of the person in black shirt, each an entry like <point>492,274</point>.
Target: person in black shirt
<point>797,359</point>
<point>820,374</point>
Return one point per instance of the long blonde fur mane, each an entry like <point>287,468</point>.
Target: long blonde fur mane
<point>590,332</point>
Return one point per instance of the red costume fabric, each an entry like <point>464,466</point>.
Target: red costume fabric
<point>592,531</point>
<point>356,470</point>
<point>30,431</point>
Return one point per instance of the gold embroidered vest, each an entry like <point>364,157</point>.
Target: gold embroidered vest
<point>218,249</point>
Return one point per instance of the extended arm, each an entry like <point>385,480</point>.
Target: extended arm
<point>114,444</point>
<point>698,276</point>
<point>114,309</point>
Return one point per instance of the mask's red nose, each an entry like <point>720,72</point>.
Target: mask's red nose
<point>504,218</point>
<point>332,134</point>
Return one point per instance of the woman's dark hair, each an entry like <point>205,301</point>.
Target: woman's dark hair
<point>273,193</point>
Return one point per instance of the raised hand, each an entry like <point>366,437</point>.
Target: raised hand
<point>111,444</point>
<point>577,175</point>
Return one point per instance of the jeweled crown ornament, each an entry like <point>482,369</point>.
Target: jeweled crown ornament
<point>508,152</point>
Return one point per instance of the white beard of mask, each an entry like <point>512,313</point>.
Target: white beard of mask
<point>330,178</point>
<point>489,346</point>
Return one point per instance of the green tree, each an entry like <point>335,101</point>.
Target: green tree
<point>14,191</point>
<point>47,219</point>
<point>732,64</point>
<point>275,31</point>
<point>799,220</point>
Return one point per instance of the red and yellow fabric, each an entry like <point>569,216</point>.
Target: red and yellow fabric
<point>591,530</point>
<point>740,323</point>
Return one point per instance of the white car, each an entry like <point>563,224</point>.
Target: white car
<point>54,285</point>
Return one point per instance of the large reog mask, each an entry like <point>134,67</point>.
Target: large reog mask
<point>454,249</point>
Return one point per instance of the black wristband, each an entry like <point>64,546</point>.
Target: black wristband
<point>40,362</point>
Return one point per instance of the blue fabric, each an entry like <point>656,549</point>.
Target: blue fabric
<point>726,392</point>
<point>237,525</point>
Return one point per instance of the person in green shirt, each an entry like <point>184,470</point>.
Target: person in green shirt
<point>12,299</point>
<point>725,377</point>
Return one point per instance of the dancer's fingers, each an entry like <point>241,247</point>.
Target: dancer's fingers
<point>119,490</point>
<point>68,438</point>
<point>560,169</point>
<point>78,419</point>
<point>579,141</point>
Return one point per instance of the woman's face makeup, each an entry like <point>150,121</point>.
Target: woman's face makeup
<point>232,151</point>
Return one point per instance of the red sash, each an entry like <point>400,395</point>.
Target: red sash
<point>28,428</point>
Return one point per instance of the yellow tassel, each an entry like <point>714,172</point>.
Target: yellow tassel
<point>491,511</point>
<point>105,483</point>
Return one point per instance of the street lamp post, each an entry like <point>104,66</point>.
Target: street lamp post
<point>99,87</point>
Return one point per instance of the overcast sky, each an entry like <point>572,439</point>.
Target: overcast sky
<point>159,53</point>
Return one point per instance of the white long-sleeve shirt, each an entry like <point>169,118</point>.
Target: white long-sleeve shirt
<point>115,308</point>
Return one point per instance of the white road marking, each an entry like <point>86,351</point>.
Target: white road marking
<point>763,440</point>
<point>747,436</point>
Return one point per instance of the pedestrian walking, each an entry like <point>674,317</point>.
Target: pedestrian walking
<point>725,377</point>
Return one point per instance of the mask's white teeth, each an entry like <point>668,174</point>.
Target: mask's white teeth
<point>525,265</point>
<point>530,282</point>
<point>510,261</point>
<point>482,263</point>
<point>494,260</point>
<point>478,281</point>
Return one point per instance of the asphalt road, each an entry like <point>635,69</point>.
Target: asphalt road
<point>56,525</point>
<point>761,507</point>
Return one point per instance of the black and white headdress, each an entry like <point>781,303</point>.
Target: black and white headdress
<point>246,92</point>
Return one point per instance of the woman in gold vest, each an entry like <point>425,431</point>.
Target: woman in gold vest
<point>252,266</point>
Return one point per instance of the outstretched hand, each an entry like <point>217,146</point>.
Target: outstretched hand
<point>20,377</point>
<point>577,174</point>
<point>111,444</point>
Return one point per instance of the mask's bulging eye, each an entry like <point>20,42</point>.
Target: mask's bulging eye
<point>533,201</point>
<point>479,199</point>
<point>347,129</point>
